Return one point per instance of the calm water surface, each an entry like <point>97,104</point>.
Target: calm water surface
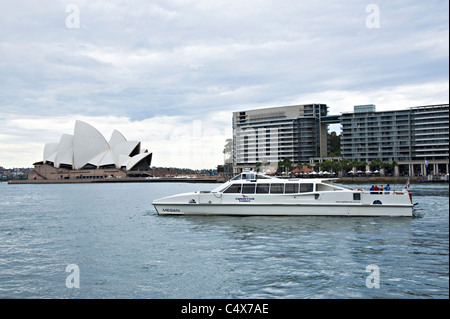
<point>125,250</point>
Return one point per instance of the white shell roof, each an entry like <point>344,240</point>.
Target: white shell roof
<point>136,159</point>
<point>87,143</point>
<point>108,159</point>
<point>88,146</point>
<point>50,150</point>
<point>123,160</point>
<point>97,159</point>
<point>65,151</point>
<point>116,138</point>
<point>124,148</point>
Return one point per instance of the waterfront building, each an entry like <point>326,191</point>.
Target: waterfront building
<point>269,135</point>
<point>87,154</point>
<point>416,138</point>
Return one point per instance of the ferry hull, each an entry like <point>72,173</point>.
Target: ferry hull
<point>284,210</point>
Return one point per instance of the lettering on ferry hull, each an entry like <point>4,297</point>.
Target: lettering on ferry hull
<point>171,210</point>
<point>244,199</point>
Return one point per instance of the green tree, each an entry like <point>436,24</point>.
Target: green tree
<point>336,166</point>
<point>346,165</point>
<point>284,165</point>
<point>376,164</point>
<point>335,144</point>
<point>359,165</point>
<point>327,165</point>
<point>389,167</point>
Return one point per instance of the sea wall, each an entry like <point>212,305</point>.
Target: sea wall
<point>387,180</point>
<point>215,179</point>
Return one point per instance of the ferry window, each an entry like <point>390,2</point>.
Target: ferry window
<point>276,188</point>
<point>248,188</point>
<point>235,188</point>
<point>291,188</point>
<point>306,188</point>
<point>324,187</point>
<point>262,189</point>
<point>356,196</point>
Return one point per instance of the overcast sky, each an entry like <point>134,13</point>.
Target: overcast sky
<point>170,73</point>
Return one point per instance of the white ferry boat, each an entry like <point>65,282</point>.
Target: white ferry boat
<point>252,193</point>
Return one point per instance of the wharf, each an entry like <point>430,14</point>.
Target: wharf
<point>388,180</point>
<point>219,179</point>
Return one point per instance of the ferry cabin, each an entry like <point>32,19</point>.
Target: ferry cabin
<point>259,188</point>
<point>256,188</point>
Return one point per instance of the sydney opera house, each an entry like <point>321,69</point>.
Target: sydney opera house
<point>88,155</point>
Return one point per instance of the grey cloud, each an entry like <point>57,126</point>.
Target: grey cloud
<point>141,59</point>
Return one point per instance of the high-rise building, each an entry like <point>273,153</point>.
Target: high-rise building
<point>416,137</point>
<point>430,132</point>
<point>273,134</point>
<point>368,135</point>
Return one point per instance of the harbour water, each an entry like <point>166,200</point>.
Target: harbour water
<point>121,248</point>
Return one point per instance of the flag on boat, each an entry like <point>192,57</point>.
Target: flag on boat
<point>407,184</point>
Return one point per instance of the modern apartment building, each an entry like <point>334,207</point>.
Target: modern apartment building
<point>269,135</point>
<point>430,133</point>
<point>368,135</point>
<point>417,137</point>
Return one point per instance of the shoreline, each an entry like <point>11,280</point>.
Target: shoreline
<point>388,180</point>
<point>119,180</point>
<point>344,180</point>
